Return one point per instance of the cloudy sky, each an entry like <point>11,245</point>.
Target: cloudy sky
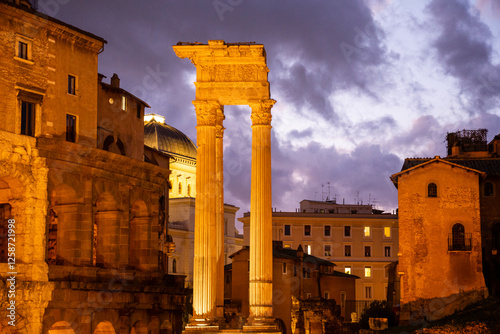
<point>360,85</point>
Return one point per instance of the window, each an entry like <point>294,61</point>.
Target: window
<point>189,190</point>
<point>174,266</point>
<point>307,230</point>
<point>368,272</point>
<point>347,250</point>
<point>308,295</point>
<point>368,292</point>
<point>342,298</point>
<point>347,231</point>
<point>368,251</point>
<point>124,102</point>
<point>387,232</point>
<point>347,270</point>
<point>22,50</point>
<point>287,246</point>
<point>139,109</point>
<point>287,230</point>
<point>71,128</point>
<point>308,249</point>
<point>284,267</point>
<point>180,188</point>
<point>27,118</point>
<point>488,189</point>
<point>367,232</point>
<point>386,272</point>
<point>432,190</point>
<point>327,295</point>
<point>328,250</point>
<point>71,84</point>
<point>459,240</point>
<point>328,231</point>
<point>387,251</point>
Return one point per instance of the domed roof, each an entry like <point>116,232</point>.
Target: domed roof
<point>166,138</point>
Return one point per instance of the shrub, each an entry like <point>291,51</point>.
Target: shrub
<point>377,309</point>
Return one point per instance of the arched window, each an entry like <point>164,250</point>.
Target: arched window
<point>488,189</point>
<point>174,266</point>
<point>432,190</point>
<point>458,237</point>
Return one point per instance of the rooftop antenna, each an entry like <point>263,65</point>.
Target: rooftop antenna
<point>323,192</point>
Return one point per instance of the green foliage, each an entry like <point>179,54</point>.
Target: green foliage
<point>377,309</point>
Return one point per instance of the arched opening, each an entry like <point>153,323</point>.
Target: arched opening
<point>114,147</point>
<point>105,231</point>
<point>104,327</point>
<point>139,234</point>
<point>139,328</point>
<point>61,327</point>
<point>174,266</point>
<point>495,236</point>
<point>458,237</point>
<point>432,190</point>
<point>488,189</point>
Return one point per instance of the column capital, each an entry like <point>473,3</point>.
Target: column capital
<point>261,111</point>
<point>206,111</point>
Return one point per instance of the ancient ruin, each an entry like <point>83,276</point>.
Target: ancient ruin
<point>230,74</point>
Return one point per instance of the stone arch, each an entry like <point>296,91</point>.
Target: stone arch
<point>104,327</point>
<point>139,235</point>
<point>105,232</point>
<point>63,194</point>
<point>61,327</point>
<point>8,189</point>
<point>139,328</point>
<point>166,327</point>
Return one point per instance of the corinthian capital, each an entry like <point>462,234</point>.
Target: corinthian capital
<point>206,112</point>
<point>261,111</point>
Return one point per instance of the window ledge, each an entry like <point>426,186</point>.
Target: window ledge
<point>30,62</point>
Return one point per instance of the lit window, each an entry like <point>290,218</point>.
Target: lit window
<point>70,128</point>
<point>367,232</point>
<point>387,251</point>
<point>347,231</point>
<point>368,251</point>
<point>488,189</point>
<point>27,118</point>
<point>71,84</point>
<point>284,267</point>
<point>368,292</point>
<point>22,51</point>
<point>368,272</point>
<point>327,230</point>
<point>387,231</point>
<point>124,102</point>
<point>287,230</point>
<point>308,249</point>
<point>347,250</point>
<point>307,230</point>
<point>347,270</point>
<point>287,246</point>
<point>432,190</point>
<point>328,250</point>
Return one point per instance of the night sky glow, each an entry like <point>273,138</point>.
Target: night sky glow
<point>360,85</point>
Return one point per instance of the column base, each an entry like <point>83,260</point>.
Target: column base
<point>261,325</point>
<point>202,326</point>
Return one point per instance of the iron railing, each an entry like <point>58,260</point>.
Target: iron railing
<point>460,242</point>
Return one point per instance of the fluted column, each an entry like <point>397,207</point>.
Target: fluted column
<point>219,150</point>
<point>261,252</point>
<point>205,255</point>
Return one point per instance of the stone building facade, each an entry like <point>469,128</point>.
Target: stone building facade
<point>357,240</point>
<point>449,222</point>
<point>86,215</point>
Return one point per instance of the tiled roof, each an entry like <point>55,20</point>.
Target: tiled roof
<point>490,166</point>
<point>287,253</point>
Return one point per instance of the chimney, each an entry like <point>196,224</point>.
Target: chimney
<point>115,81</point>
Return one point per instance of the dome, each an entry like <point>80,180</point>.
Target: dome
<point>168,139</point>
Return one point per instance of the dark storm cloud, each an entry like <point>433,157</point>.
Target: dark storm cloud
<point>464,48</point>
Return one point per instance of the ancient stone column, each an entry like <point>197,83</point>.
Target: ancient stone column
<point>219,149</point>
<point>261,252</point>
<point>205,254</point>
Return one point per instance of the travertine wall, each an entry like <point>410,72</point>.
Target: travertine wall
<point>428,268</point>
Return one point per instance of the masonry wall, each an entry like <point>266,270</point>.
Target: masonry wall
<point>428,268</point>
